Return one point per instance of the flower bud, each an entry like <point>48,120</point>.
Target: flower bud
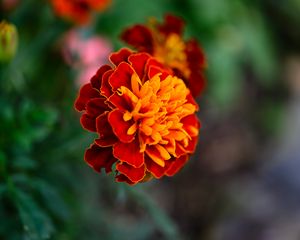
<point>8,41</point>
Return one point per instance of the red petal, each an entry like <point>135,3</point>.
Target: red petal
<point>190,99</point>
<point>156,170</point>
<point>138,62</point>
<point>88,122</point>
<point>123,178</point>
<point>177,165</point>
<point>119,126</point>
<point>105,86</point>
<point>134,174</point>
<point>192,145</point>
<point>129,153</point>
<point>121,76</point>
<point>121,56</point>
<point>106,135</point>
<point>190,121</point>
<point>120,102</point>
<point>85,94</point>
<point>99,158</point>
<point>139,37</point>
<point>172,24</point>
<point>96,107</point>
<point>196,83</point>
<point>195,55</point>
<point>96,80</point>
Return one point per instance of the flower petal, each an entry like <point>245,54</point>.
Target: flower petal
<point>105,88</point>
<point>138,62</point>
<point>139,37</point>
<point>98,158</point>
<point>121,76</point>
<point>120,56</point>
<point>123,178</point>
<point>88,122</point>
<point>119,126</point>
<point>129,153</point>
<point>134,174</point>
<point>86,93</point>
<point>172,24</point>
<point>106,135</point>
<point>156,170</point>
<point>96,80</point>
<point>176,165</point>
<point>96,107</point>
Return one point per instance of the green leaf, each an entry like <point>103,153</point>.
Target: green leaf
<point>36,224</point>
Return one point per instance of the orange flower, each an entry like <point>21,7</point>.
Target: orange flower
<point>165,42</point>
<point>144,117</point>
<point>78,11</point>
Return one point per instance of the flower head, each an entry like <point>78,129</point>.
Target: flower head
<point>144,117</point>
<point>78,11</point>
<point>164,41</point>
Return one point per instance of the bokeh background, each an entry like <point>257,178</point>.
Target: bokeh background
<point>243,182</point>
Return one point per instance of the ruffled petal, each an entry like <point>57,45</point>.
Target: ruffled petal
<point>106,135</point>
<point>119,126</point>
<point>98,158</point>
<point>96,80</point>
<point>96,107</point>
<point>121,76</point>
<point>88,122</point>
<point>120,56</point>
<point>105,88</point>
<point>129,153</point>
<point>139,37</point>
<point>123,178</point>
<point>86,93</point>
<point>176,165</point>
<point>172,24</point>
<point>134,174</point>
<point>138,62</point>
<point>156,170</point>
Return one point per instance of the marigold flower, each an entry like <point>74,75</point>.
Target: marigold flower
<point>144,117</point>
<point>79,11</point>
<point>165,42</point>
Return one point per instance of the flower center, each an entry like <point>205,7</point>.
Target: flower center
<point>158,105</point>
<point>171,51</point>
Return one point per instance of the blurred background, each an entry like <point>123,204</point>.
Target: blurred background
<point>243,182</point>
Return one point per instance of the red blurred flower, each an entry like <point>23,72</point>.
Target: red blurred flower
<point>78,11</point>
<point>164,41</point>
<point>143,115</point>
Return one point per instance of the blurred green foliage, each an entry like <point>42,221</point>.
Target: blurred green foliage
<point>46,190</point>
